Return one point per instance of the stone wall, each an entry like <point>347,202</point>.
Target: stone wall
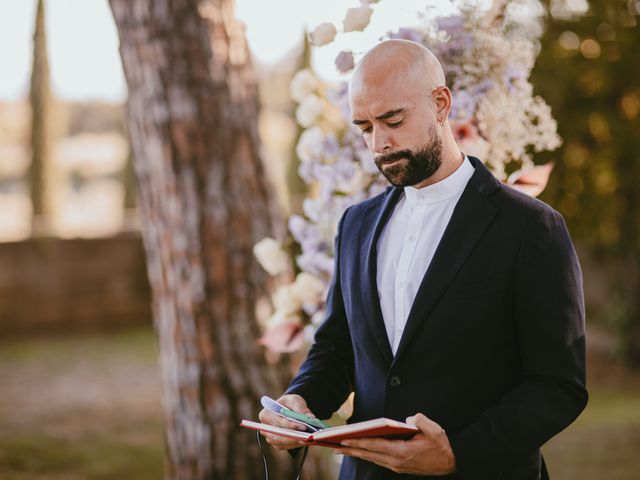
<point>57,285</point>
<point>51,285</point>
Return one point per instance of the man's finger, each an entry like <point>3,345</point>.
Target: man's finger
<point>426,425</point>
<point>267,416</point>
<point>372,444</point>
<point>382,459</point>
<point>281,442</point>
<point>296,403</point>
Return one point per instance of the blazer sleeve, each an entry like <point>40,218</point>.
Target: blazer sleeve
<point>325,378</point>
<point>549,316</point>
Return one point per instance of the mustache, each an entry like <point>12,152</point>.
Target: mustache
<point>392,157</point>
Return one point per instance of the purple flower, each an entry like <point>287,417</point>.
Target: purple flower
<point>312,209</point>
<point>297,227</point>
<point>463,105</point>
<point>324,174</point>
<point>345,168</point>
<point>342,203</point>
<point>452,24</point>
<point>378,187</point>
<point>318,263</point>
<point>305,170</point>
<point>458,40</point>
<point>366,161</point>
<point>330,145</point>
<point>407,34</point>
<point>452,72</point>
<point>483,87</point>
<point>340,98</point>
<point>344,61</point>
<point>512,75</point>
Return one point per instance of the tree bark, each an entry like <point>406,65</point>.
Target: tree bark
<point>204,202</point>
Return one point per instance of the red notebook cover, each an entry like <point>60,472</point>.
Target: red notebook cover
<point>379,427</point>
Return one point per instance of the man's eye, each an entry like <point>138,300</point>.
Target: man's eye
<point>366,130</point>
<point>395,124</point>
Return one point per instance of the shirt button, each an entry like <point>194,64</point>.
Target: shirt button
<point>395,381</point>
<point>401,284</point>
<point>412,238</point>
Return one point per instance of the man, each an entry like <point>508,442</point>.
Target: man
<point>456,300</point>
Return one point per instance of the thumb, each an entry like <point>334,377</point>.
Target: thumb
<point>299,404</point>
<point>426,425</point>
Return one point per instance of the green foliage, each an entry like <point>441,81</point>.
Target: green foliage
<point>97,457</point>
<point>589,72</point>
<point>81,407</point>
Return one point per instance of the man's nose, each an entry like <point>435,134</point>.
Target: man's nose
<point>381,141</point>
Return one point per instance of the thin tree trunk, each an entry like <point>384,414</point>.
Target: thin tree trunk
<point>40,96</point>
<point>129,201</point>
<point>192,118</point>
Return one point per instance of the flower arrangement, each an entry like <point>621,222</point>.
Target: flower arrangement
<point>487,58</point>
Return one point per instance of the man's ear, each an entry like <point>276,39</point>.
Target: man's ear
<point>442,99</point>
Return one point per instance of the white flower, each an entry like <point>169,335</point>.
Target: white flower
<point>308,288</point>
<point>281,318</point>
<point>286,300</point>
<point>310,145</point>
<point>271,256</point>
<point>357,19</point>
<point>323,34</point>
<point>304,82</point>
<point>309,110</point>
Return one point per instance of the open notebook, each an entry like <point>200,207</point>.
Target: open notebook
<point>330,437</point>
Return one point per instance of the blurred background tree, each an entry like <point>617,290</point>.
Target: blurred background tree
<point>204,200</point>
<point>40,95</point>
<point>589,72</point>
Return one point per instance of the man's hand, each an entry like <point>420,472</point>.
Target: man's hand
<point>427,453</point>
<point>295,403</point>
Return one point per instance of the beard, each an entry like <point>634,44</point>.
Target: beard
<point>413,167</point>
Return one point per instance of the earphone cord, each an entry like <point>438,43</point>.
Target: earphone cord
<point>303,457</point>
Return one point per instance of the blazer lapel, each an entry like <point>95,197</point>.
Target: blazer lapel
<point>471,217</point>
<point>374,220</point>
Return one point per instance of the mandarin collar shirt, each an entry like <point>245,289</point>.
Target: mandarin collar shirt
<point>408,242</point>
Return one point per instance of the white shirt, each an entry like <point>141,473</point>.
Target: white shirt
<point>408,242</point>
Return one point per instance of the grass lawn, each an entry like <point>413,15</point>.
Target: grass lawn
<point>80,407</point>
<point>88,407</point>
<point>604,443</point>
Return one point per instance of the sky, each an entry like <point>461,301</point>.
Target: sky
<point>83,42</point>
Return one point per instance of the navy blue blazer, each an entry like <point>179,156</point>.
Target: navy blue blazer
<point>494,345</point>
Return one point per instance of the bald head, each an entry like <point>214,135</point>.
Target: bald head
<point>398,61</point>
<point>400,103</point>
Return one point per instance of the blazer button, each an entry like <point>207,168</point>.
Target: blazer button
<point>395,381</point>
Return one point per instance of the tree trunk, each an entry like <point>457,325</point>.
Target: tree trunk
<point>192,119</point>
<point>40,96</point>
